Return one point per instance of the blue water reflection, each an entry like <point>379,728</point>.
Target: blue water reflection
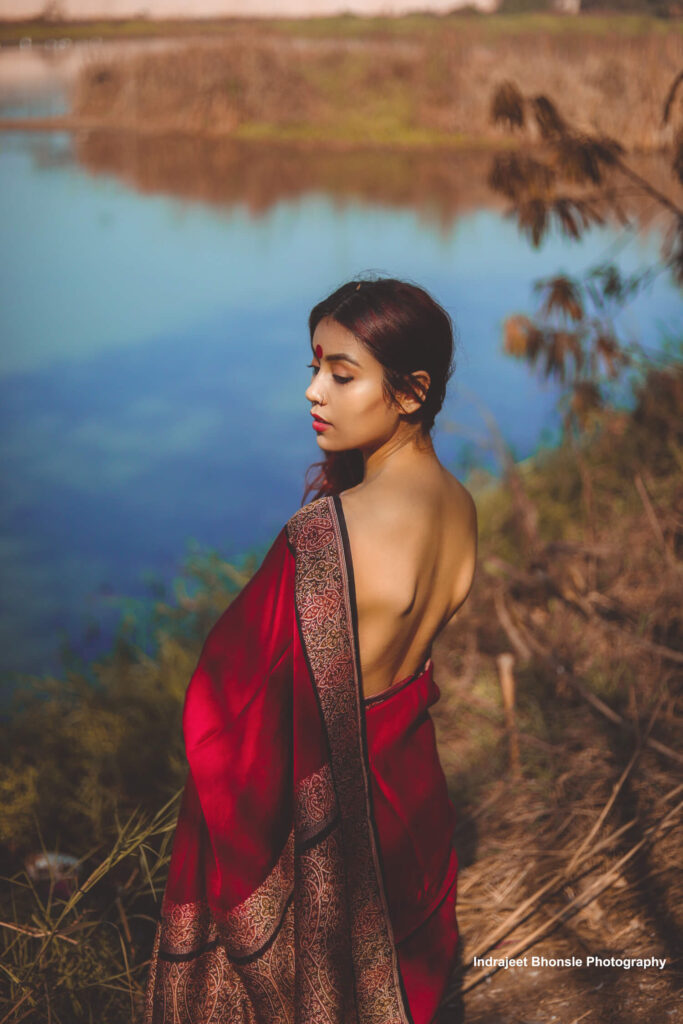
<point>154,362</point>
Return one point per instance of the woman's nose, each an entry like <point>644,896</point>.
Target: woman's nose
<point>313,393</point>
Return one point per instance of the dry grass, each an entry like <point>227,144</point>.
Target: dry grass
<point>419,90</point>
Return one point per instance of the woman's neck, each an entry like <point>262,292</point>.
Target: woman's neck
<point>403,453</point>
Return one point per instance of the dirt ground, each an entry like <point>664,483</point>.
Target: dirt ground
<point>516,839</point>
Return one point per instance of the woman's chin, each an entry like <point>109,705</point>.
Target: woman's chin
<point>329,447</point>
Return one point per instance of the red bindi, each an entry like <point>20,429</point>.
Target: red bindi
<point>319,351</point>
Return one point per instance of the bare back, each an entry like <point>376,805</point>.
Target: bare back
<point>414,548</point>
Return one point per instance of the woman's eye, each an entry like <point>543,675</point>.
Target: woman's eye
<point>336,376</point>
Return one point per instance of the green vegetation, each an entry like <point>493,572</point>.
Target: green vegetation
<point>598,23</point>
<point>630,23</point>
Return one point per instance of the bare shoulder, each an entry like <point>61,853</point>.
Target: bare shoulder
<point>438,509</point>
<point>390,510</point>
<point>382,514</point>
<point>465,536</point>
<point>464,509</point>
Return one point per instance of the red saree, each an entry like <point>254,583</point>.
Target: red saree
<point>312,878</point>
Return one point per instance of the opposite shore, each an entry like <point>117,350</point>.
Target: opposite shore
<point>416,82</point>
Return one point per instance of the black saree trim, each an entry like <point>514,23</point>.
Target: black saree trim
<point>312,841</point>
<point>182,958</point>
<point>343,529</point>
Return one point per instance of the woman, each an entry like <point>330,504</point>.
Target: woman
<point>312,877</point>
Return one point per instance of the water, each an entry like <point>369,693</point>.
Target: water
<point>153,369</point>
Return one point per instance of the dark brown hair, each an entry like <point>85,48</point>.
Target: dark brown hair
<point>405,330</point>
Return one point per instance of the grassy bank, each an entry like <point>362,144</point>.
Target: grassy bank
<point>416,89</point>
<point>349,26</point>
<point>579,774</point>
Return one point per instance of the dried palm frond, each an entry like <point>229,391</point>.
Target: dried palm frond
<point>507,106</point>
<point>612,281</point>
<point>670,96</point>
<point>607,149</point>
<point>561,294</point>
<point>613,356</point>
<point>512,174</point>
<point>565,212</point>
<point>587,211</point>
<point>548,118</point>
<point>521,337</point>
<point>506,175</point>
<point>578,158</point>
<point>607,282</point>
<point>560,346</point>
<point>532,217</point>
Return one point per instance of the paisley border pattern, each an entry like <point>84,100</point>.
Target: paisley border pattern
<point>325,614</point>
<point>276,958</point>
<point>206,986</point>
<point>315,805</point>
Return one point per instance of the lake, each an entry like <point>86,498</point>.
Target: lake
<point>153,365</point>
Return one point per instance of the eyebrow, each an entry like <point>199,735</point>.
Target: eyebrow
<point>339,357</point>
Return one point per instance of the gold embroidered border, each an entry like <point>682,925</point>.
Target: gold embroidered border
<point>277,958</point>
<point>209,988</point>
<point>302,977</point>
<point>323,606</point>
<point>247,927</point>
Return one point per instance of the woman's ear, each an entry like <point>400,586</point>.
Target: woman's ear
<point>421,382</point>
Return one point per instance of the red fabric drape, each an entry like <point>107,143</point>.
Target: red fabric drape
<point>281,902</point>
<point>415,820</point>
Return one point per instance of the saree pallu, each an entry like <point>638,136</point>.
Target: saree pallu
<point>312,878</point>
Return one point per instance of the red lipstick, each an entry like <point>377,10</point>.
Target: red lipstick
<point>319,423</point>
